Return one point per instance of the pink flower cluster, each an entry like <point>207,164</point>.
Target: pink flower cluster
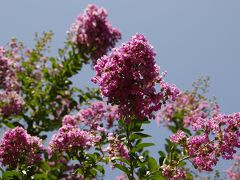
<point>70,120</point>
<point>93,33</point>
<point>8,69</point>
<point>71,137</point>
<point>62,105</point>
<point>128,76</point>
<point>121,177</point>
<point>233,173</point>
<point>97,113</point>
<point>68,170</point>
<point>17,146</point>
<point>173,173</point>
<point>204,152</point>
<point>10,101</point>
<point>178,137</point>
<point>227,130</point>
<point>193,109</point>
<point>92,119</point>
<point>116,148</point>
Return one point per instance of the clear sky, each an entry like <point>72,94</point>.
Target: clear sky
<point>191,38</point>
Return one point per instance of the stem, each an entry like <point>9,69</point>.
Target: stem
<point>189,157</point>
<point>80,159</point>
<point>130,154</point>
<point>151,173</point>
<point>21,171</point>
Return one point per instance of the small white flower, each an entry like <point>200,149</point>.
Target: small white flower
<point>141,158</point>
<point>148,173</point>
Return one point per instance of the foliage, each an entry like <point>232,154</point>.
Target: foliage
<point>98,127</point>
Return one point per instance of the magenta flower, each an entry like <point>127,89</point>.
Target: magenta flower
<point>173,173</point>
<point>115,147</point>
<point>8,68</point>
<point>228,133</point>
<point>92,33</point>
<point>69,120</point>
<point>195,110</point>
<point>98,113</point>
<point>127,77</point>
<point>71,137</point>
<point>178,137</point>
<point>233,173</point>
<point>203,152</point>
<point>10,103</point>
<point>17,146</point>
<point>121,177</point>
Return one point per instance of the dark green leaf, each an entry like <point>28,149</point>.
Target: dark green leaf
<point>122,160</point>
<point>40,176</point>
<point>139,136</point>
<point>141,146</point>
<point>122,168</point>
<point>11,175</point>
<point>162,154</point>
<point>100,169</point>
<point>9,124</point>
<point>157,176</point>
<point>152,164</point>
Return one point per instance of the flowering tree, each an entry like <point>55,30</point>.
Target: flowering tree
<point>98,127</point>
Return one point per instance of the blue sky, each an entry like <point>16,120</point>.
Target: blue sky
<point>191,38</point>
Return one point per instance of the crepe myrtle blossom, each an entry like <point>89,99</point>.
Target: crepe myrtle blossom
<point>173,173</point>
<point>17,146</point>
<point>10,103</point>
<point>128,77</point>
<point>233,173</point>
<point>179,136</point>
<point>93,34</point>
<point>8,78</point>
<point>205,156</point>
<point>121,177</point>
<point>204,151</point>
<point>227,130</point>
<point>201,151</point>
<point>194,110</point>
<point>69,120</point>
<point>115,147</point>
<point>98,114</point>
<point>71,137</point>
<point>68,168</point>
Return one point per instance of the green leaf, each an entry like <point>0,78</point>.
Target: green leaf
<point>100,169</point>
<point>161,160</point>
<point>141,146</point>
<point>172,128</point>
<point>139,136</point>
<point>162,157</point>
<point>152,164</point>
<point>93,172</point>
<point>40,176</point>
<point>122,160</point>
<point>11,175</point>
<point>157,176</point>
<point>161,154</point>
<point>9,124</point>
<point>182,163</point>
<point>146,121</point>
<point>122,168</point>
